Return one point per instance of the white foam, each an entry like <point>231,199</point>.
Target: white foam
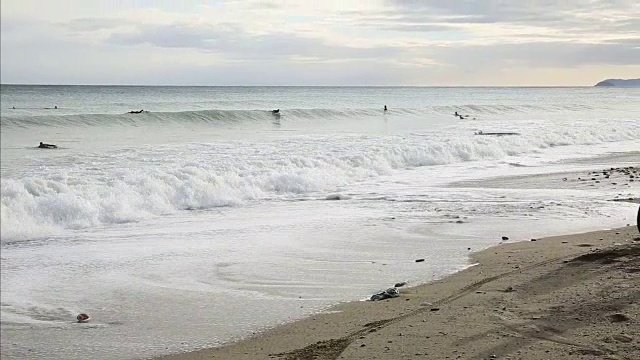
<point>140,183</point>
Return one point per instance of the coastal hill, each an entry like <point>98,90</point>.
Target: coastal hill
<point>620,82</point>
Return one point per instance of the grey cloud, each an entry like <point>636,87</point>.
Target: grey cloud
<point>631,42</point>
<point>512,11</point>
<point>359,72</point>
<point>551,41</point>
<point>481,11</point>
<point>93,24</point>
<point>419,27</point>
<point>401,22</point>
<point>14,26</point>
<point>229,39</point>
<point>90,68</point>
<point>540,54</point>
<point>577,16</point>
<point>630,25</point>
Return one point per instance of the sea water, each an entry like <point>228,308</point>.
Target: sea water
<point>207,218</point>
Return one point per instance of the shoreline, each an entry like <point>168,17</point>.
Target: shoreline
<point>559,297</point>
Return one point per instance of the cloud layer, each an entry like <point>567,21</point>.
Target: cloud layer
<point>395,42</point>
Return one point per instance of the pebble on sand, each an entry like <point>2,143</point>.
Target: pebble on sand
<point>82,317</point>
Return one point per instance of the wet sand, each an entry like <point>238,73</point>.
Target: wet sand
<point>566,297</point>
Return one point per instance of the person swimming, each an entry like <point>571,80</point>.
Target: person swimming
<point>47,146</point>
<point>460,115</point>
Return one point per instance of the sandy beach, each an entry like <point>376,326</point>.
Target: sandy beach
<point>564,297</point>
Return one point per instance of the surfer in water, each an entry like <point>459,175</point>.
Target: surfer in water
<point>47,146</point>
<point>275,112</point>
<point>385,108</point>
<point>136,111</point>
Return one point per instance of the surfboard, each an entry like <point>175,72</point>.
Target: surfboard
<point>497,133</point>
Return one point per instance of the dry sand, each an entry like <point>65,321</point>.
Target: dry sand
<point>565,297</point>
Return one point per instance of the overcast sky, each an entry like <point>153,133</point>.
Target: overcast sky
<point>299,42</point>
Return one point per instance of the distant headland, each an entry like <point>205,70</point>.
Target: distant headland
<point>620,82</point>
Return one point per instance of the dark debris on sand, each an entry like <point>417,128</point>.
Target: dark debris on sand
<point>615,176</point>
<point>611,255</point>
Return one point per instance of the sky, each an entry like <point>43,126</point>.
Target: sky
<point>341,42</point>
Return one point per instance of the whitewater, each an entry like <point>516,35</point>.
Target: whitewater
<point>207,218</point>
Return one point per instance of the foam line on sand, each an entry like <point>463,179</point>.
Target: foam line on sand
<point>564,297</point>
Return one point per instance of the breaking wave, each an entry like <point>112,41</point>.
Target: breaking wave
<point>170,178</point>
<point>223,117</point>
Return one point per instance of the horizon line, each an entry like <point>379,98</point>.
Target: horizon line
<point>343,86</point>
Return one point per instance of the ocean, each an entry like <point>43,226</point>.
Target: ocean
<point>207,218</point>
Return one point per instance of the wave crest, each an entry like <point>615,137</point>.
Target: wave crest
<point>223,117</point>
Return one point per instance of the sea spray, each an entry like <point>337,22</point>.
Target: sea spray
<point>202,176</point>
